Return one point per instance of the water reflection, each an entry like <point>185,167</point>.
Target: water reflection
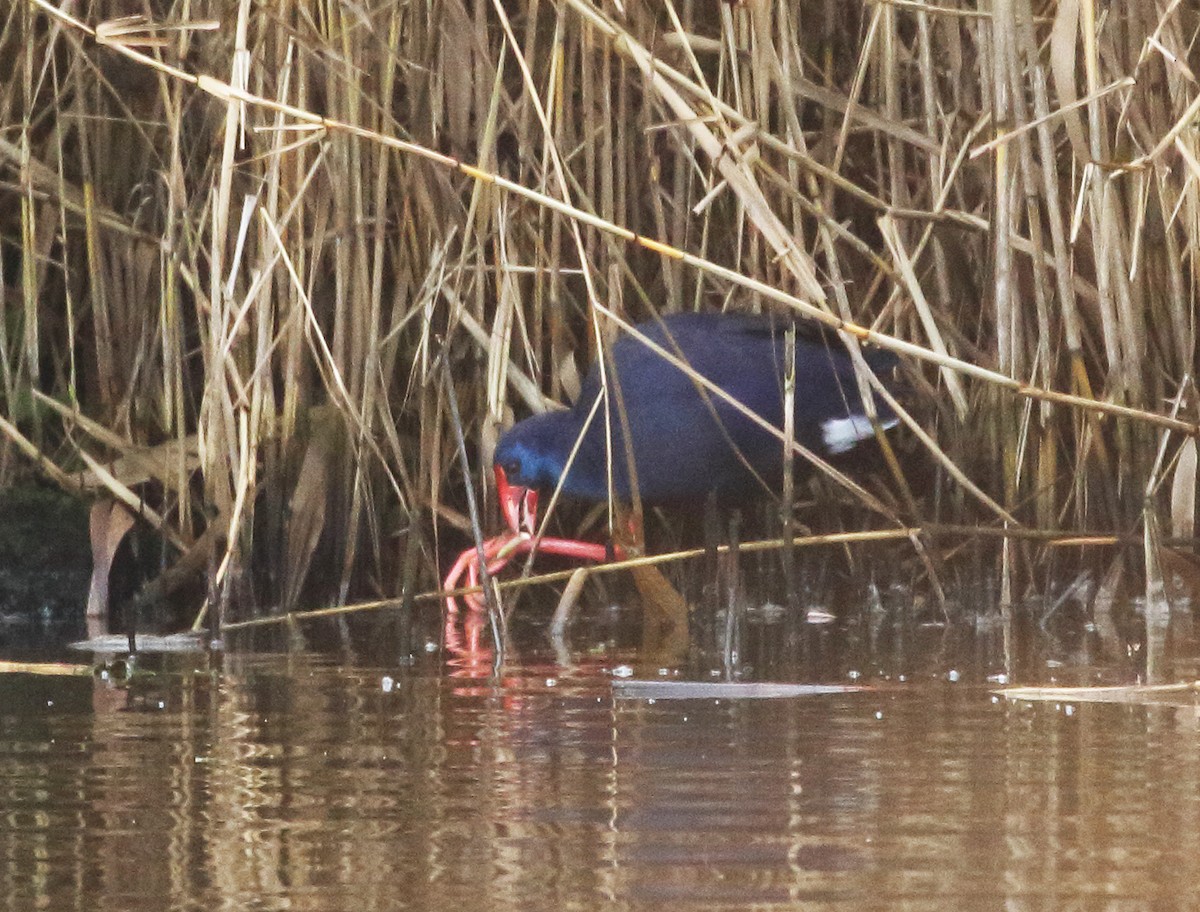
<point>272,783</point>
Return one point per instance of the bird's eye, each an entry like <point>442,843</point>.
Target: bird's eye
<point>512,468</point>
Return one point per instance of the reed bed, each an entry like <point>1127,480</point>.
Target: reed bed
<point>244,245</point>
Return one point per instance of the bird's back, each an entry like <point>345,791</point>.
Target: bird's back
<point>687,439</point>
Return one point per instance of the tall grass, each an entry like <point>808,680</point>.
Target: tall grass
<point>239,250</point>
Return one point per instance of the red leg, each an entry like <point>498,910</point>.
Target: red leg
<point>572,547</point>
<point>468,562</point>
<point>497,553</point>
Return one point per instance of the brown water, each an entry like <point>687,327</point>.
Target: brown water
<point>297,783</point>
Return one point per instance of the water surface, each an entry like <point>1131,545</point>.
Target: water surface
<point>303,783</point>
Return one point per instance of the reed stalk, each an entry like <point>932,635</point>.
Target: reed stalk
<point>260,234</point>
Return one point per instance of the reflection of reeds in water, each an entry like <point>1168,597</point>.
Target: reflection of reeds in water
<point>240,250</point>
<point>293,783</point>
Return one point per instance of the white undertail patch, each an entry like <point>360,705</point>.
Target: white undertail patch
<point>840,435</point>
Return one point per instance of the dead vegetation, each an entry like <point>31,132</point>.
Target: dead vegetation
<point>242,242</point>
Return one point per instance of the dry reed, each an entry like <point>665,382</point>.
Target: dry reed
<point>240,245</point>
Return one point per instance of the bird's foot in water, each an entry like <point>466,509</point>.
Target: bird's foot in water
<point>496,554</point>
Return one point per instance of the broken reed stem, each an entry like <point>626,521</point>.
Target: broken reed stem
<point>495,615</point>
<point>1044,537</point>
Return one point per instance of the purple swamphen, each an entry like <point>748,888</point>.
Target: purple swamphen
<point>686,439</point>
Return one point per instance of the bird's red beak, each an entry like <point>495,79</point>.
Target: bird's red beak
<point>518,504</point>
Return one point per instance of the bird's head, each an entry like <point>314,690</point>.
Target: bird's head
<point>518,503</point>
<point>528,458</point>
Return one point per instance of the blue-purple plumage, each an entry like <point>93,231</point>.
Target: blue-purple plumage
<point>686,441</point>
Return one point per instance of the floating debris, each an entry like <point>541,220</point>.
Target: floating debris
<point>47,668</point>
<point>146,642</point>
<point>724,690</point>
<point>1122,693</point>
